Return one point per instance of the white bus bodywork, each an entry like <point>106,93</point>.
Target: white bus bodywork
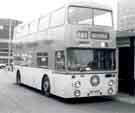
<point>53,33</point>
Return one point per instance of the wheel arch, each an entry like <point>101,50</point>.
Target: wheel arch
<point>18,71</point>
<point>18,77</point>
<point>42,82</point>
<point>45,75</point>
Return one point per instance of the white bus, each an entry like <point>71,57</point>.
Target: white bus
<point>70,52</point>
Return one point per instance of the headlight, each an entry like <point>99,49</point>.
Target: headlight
<point>95,80</point>
<point>77,84</point>
<point>77,93</point>
<point>110,90</point>
<point>82,34</point>
<point>110,83</point>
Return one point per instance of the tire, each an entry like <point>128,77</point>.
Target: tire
<point>46,86</point>
<point>18,78</point>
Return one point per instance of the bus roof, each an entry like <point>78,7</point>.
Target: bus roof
<point>73,3</point>
<point>89,4</point>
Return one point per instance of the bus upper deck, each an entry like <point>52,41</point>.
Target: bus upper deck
<point>75,24</point>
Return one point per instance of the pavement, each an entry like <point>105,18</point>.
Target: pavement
<point>125,98</point>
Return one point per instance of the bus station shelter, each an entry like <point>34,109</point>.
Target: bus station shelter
<point>126,62</point>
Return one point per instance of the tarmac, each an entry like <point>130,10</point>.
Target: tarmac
<point>121,97</point>
<point>125,98</point>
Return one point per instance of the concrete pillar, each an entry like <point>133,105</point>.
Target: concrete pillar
<point>131,68</point>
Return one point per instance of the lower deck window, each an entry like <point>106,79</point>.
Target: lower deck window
<point>42,60</point>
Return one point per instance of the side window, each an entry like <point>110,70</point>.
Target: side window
<point>57,17</point>
<point>43,23</point>
<point>33,26</point>
<point>42,60</point>
<point>18,59</point>
<point>23,29</point>
<point>59,60</point>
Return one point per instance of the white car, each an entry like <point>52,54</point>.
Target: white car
<point>2,66</point>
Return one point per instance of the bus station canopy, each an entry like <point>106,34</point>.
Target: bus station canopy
<point>125,34</point>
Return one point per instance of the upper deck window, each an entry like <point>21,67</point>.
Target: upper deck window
<point>43,23</point>
<point>102,17</point>
<point>87,15</point>
<point>57,17</point>
<point>80,15</point>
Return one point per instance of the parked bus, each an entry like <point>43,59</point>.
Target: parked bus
<point>70,52</point>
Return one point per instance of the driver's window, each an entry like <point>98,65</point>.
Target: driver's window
<point>59,60</point>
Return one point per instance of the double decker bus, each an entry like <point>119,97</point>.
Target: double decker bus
<point>70,52</point>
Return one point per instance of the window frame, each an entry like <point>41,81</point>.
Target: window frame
<point>92,15</point>
<point>99,51</point>
<point>43,55</point>
<point>51,17</point>
<point>79,7</point>
<point>100,9</point>
<point>42,21</point>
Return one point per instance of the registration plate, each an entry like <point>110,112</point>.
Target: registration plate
<point>94,92</point>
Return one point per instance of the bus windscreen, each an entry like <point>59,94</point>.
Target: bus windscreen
<point>90,59</point>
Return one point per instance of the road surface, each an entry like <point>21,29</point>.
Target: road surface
<point>21,99</point>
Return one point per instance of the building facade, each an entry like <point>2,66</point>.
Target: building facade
<point>6,35</point>
<point>126,15</point>
<point>126,46</point>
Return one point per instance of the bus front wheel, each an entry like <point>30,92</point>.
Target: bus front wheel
<point>18,78</point>
<point>46,86</point>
